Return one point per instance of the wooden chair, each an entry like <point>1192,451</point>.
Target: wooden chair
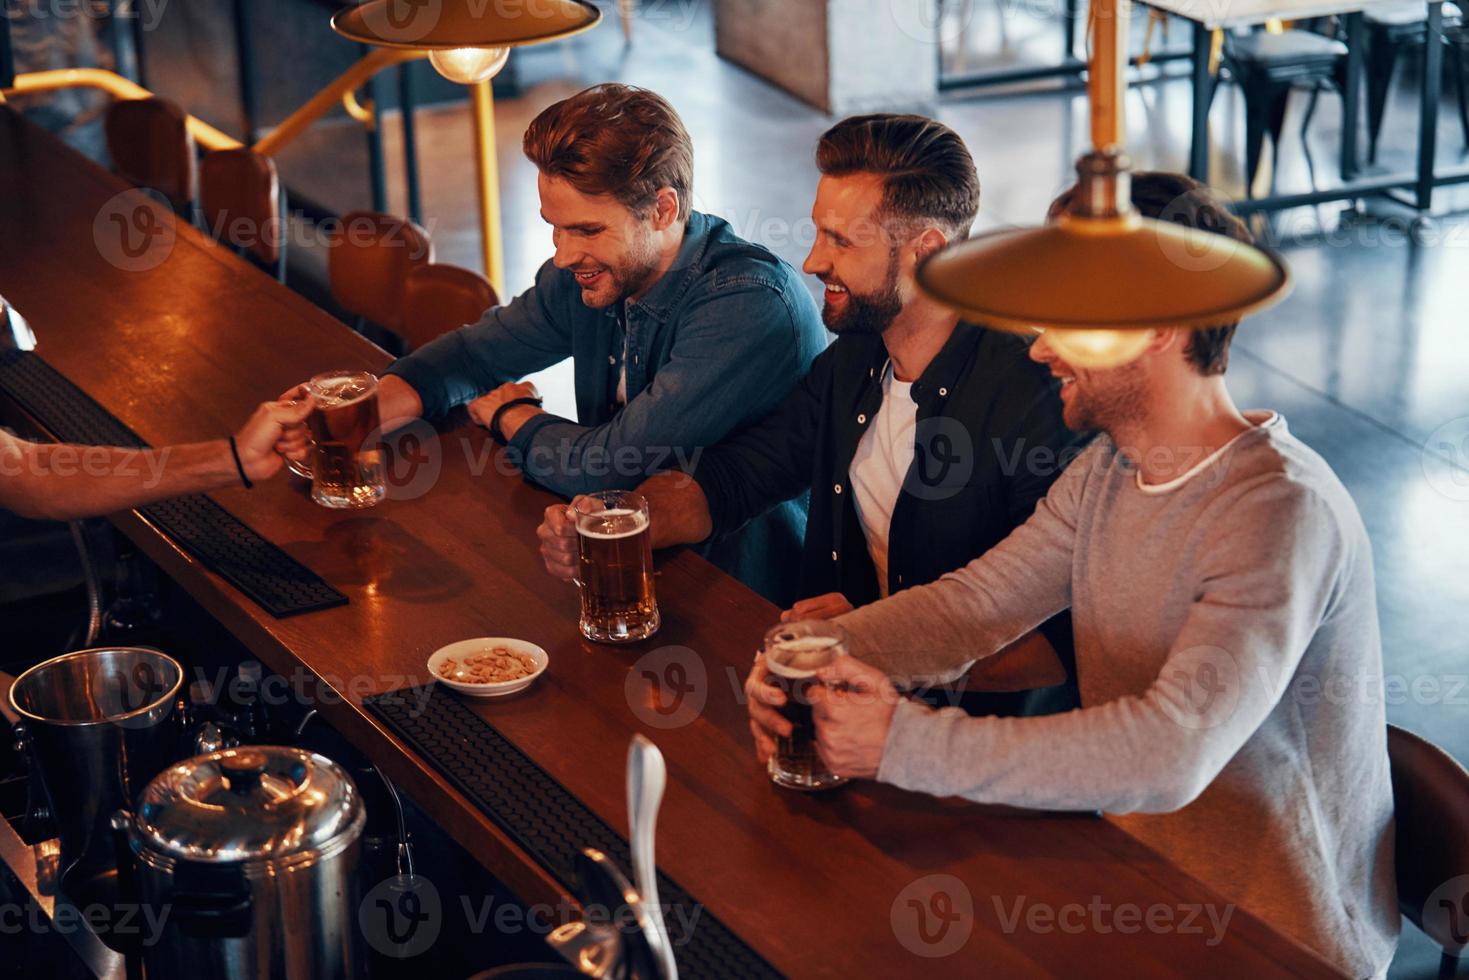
<point>149,142</point>
<point>1431,792</point>
<point>370,257</point>
<point>244,206</point>
<point>441,298</point>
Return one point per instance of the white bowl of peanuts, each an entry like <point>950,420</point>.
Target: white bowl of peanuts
<point>488,666</point>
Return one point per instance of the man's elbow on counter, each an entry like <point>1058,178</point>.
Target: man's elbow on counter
<point>1163,788</point>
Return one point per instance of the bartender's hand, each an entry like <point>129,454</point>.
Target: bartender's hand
<point>762,702</point>
<point>295,440</point>
<point>828,606</point>
<point>269,437</point>
<point>853,711</point>
<point>483,408</point>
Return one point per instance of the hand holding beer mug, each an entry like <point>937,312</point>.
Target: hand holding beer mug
<point>345,462</point>
<point>794,653</point>
<point>615,567</point>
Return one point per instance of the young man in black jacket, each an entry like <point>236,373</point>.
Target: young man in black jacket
<point>924,441</point>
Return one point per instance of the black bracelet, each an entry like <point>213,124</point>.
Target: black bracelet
<point>495,432</point>
<point>235,452</point>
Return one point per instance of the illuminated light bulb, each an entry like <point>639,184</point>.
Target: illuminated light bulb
<point>469,65</point>
<point>1099,349</point>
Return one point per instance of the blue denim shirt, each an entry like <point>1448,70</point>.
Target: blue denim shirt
<point>715,345</point>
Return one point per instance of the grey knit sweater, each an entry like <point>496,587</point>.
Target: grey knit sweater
<point>1230,665</point>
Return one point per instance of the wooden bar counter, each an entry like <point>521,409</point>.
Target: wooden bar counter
<point>826,885</point>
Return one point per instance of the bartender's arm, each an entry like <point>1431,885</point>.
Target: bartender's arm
<point>66,482</point>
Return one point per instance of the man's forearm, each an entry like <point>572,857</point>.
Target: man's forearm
<point>64,482</point>
<point>679,510</point>
<point>398,403</point>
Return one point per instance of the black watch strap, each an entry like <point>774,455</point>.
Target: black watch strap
<point>495,432</point>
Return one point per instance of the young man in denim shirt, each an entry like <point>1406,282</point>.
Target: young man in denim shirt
<point>682,333</point>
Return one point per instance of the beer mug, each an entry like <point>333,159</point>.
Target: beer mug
<point>794,652</point>
<point>345,465</point>
<point>615,567</point>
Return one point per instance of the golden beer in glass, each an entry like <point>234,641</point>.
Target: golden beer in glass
<point>345,466</point>
<point>615,567</point>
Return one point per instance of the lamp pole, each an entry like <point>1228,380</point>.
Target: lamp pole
<point>7,53</point>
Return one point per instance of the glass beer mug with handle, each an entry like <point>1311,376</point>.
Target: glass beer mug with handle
<point>615,567</point>
<point>794,652</point>
<point>345,465</point>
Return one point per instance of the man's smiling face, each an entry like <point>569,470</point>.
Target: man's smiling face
<point>854,255</point>
<point>610,250</point>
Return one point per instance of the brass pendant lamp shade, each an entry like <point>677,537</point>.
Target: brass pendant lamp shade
<point>446,24</point>
<point>1102,266</point>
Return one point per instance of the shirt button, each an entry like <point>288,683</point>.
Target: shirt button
<point>861,420</point>
<point>833,556</point>
<point>838,488</point>
<point>611,359</point>
<point>943,392</point>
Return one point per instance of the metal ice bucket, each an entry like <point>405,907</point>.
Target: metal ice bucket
<point>96,725</point>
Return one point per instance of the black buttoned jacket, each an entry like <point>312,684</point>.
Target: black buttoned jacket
<point>989,443</point>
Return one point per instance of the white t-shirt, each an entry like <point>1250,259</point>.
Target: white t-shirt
<point>880,466</point>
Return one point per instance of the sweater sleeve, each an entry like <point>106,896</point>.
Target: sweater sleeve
<point>1265,585</point>
<point>931,633</point>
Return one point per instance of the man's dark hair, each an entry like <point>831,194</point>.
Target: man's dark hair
<point>1178,198</point>
<point>618,140</point>
<point>927,171</point>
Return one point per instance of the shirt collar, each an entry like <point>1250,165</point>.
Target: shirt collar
<point>946,367</point>
<point>668,291</point>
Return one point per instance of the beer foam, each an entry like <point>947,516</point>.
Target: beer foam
<point>343,392</point>
<point>611,517</point>
<point>801,657</point>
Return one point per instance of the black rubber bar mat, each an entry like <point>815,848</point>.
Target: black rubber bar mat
<point>273,579</point>
<point>547,821</point>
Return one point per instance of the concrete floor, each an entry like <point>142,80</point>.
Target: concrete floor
<point>1367,359</point>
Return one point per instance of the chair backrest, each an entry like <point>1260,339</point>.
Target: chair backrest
<point>369,259</point>
<point>149,142</point>
<point>441,298</point>
<point>240,196</point>
<point>1431,793</point>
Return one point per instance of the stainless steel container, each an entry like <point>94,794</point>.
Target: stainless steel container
<point>253,854</point>
<point>96,726</point>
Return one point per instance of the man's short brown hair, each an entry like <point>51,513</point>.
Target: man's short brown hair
<point>927,170</point>
<point>1165,196</point>
<point>615,140</point>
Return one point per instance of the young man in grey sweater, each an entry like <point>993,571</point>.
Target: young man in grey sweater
<point>1227,648</point>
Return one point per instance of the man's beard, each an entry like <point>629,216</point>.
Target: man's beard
<point>1120,405</point>
<point>630,276</point>
<point>868,314</point>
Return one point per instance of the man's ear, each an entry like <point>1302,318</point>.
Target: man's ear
<point>932,240</point>
<point>665,208</point>
<point>1166,340</point>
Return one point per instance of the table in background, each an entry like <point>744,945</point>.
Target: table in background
<point>1205,16</point>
